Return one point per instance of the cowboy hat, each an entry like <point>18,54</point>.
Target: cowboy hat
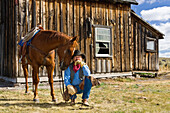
<point>78,53</point>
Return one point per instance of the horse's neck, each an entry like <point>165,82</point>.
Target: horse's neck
<point>56,40</point>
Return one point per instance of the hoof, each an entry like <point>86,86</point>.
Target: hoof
<point>26,92</point>
<point>54,100</point>
<point>36,100</point>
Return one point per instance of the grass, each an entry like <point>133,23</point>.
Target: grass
<point>111,97</point>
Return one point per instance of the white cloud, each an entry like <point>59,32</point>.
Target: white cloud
<point>164,44</point>
<point>156,14</point>
<point>151,1</point>
<point>166,55</point>
<point>140,1</point>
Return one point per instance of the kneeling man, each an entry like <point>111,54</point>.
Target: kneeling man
<point>74,75</point>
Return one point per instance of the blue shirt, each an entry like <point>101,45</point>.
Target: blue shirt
<point>76,80</point>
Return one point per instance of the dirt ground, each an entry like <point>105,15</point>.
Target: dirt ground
<point>121,95</point>
<point>163,76</point>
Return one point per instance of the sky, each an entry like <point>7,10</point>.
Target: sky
<point>157,14</point>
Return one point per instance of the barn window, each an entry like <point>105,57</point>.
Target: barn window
<point>103,41</point>
<point>150,44</point>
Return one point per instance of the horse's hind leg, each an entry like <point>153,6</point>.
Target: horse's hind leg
<point>25,68</point>
<point>35,81</point>
<point>50,70</point>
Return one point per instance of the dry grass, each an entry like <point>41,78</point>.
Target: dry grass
<point>111,96</point>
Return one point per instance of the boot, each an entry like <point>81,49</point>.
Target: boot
<point>85,102</point>
<point>72,102</point>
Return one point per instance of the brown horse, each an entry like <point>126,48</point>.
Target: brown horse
<point>41,52</point>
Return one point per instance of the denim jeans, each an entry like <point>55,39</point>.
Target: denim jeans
<point>86,91</point>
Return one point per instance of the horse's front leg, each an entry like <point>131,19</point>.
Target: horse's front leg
<point>35,82</point>
<point>25,69</point>
<point>50,70</point>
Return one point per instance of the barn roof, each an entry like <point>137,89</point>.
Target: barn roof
<point>161,35</point>
<point>120,1</point>
<point>127,1</point>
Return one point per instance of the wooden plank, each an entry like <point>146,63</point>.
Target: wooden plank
<point>38,14</point>
<point>12,39</point>
<point>100,17</point>
<point>81,40</point>
<point>125,38</point>
<point>58,15</point>
<point>130,32</point>
<point>127,46</point>
<point>64,16</point>
<point>108,66</point>
<point>71,18</point>
<point>113,18</point>
<point>16,39</point>
<point>84,26</point>
<point>103,66</point>
<point>50,15</point>
<point>139,46</point>
<point>136,46</point>
<point>77,18</point>
<point>157,54</point>
<point>61,16</point>
<point>88,39</point>
<point>98,65</point>
<point>117,42</point>
<point>121,38</point>
<point>43,19</point>
<point>143,48</point>
<point>27,16</point>
<point>33,13</point>
<point>67,18</point>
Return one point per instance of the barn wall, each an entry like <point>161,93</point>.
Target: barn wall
<point>7,38</point>
<point>70,16</point>
<point>143,60</point>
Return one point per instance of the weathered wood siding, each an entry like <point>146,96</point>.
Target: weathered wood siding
<point>17,17</point>
<point>7,38</point>
<point>143,60</point>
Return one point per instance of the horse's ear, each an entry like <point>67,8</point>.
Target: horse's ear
<point>74,39</point>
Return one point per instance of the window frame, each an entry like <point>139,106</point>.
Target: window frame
<point>150,39</point>
<point>95,41</point>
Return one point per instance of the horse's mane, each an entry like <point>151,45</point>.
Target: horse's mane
<point>60,36</point>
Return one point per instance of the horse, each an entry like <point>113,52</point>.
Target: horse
<point>41,52</point>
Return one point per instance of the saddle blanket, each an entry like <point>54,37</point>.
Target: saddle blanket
<point>29,36</point>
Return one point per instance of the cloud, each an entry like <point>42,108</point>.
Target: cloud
<point>156,14</point>
<point>140,1</point>
<point>164,47</point>
<point>151,1</point>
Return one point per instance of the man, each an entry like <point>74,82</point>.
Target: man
<point>74,75</point>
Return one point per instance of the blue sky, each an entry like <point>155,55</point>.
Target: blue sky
<point>157,13</point>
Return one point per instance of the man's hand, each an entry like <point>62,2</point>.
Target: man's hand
<point>71,90</point>
<point>80,62</point>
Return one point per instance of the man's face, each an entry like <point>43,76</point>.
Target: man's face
<point>77,58</point>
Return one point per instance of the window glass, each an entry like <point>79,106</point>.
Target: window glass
<point>150,45</point>
<point>103,41</point>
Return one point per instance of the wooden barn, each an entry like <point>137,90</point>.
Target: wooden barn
<point>113,38</point>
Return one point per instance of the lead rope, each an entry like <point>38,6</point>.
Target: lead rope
<point>62,85</point>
